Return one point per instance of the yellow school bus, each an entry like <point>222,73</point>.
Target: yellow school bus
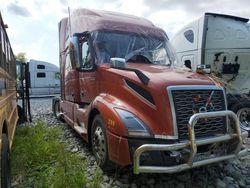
<point>8,103</point>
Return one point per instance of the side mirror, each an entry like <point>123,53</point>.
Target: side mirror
<point>117,62</point>
<point>74,52</point>
<point>203,69</point>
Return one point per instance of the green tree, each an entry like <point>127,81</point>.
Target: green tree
<point>21,56</point>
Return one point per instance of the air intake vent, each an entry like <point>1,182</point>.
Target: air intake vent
<point>141,91</point>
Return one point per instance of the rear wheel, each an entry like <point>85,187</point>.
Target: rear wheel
<point>99,144</point>
<point>5,163</point>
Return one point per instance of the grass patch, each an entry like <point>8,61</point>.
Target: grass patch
<point>39,159</point>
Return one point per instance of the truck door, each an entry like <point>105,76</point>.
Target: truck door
<point>88,79</point>
<point>71,87</point>
<point>71,82</point>
<point>23,84</point>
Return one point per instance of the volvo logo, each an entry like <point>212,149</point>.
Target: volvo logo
<point>201,108</point>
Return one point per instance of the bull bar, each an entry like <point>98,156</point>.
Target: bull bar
<point>192,143</point>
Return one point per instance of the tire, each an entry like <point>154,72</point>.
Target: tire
<point>99,144</point>
<point>56,109</point>
<point>5,163</point>
<point>242,110</point>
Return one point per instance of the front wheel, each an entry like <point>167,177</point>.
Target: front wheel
<point>99,144</point>
<point>242,110</point>
<point>5,163</point>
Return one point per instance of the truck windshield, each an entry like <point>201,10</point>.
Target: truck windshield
<point>132,47</point>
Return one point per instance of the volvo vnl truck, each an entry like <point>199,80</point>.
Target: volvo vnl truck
<point>122,93</point>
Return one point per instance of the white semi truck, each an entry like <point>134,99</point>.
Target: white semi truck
<point>44,78</point>
<point>220,43</point>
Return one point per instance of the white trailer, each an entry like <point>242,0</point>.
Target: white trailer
<point>44,78</point>
<point>223,43</point>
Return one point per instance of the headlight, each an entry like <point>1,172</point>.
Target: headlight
<point>134,125</point>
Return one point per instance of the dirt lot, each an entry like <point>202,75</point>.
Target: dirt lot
<point>233,173</point>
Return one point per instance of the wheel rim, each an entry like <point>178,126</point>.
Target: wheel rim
<point>244,116</point>
<point>99,147</point>
<point>57,109</point>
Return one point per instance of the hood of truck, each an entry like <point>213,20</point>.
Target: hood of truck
<point>160,75</point>
<point>155,111</point>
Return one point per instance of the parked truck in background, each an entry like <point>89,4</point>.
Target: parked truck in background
<point>44,78</point>
<point>122,94</point>
<point>221,42</point>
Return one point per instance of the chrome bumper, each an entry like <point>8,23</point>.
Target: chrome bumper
<point>192,144</point>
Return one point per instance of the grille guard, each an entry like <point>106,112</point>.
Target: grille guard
<point>192,143</point>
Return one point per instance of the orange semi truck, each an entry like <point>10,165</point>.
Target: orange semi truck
<point>122,94</point>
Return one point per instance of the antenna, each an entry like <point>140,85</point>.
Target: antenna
<point>69,21</point>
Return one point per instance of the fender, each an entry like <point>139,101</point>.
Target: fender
<point>118,148</point>
<point>106,105</point>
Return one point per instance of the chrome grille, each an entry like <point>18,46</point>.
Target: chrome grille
<point>190,101</point>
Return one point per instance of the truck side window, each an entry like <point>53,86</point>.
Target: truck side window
<point>187,63</point>
<point>41,75</point>
<point>189,35</point>
<point>86,56</point>
<point>40,66</point>
<point>102,52</point>
<point>57,76</point>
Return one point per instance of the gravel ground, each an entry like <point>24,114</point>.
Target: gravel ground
<point>233,173</point>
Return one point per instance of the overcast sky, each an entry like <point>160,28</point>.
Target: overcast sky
<point>33,23</point>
